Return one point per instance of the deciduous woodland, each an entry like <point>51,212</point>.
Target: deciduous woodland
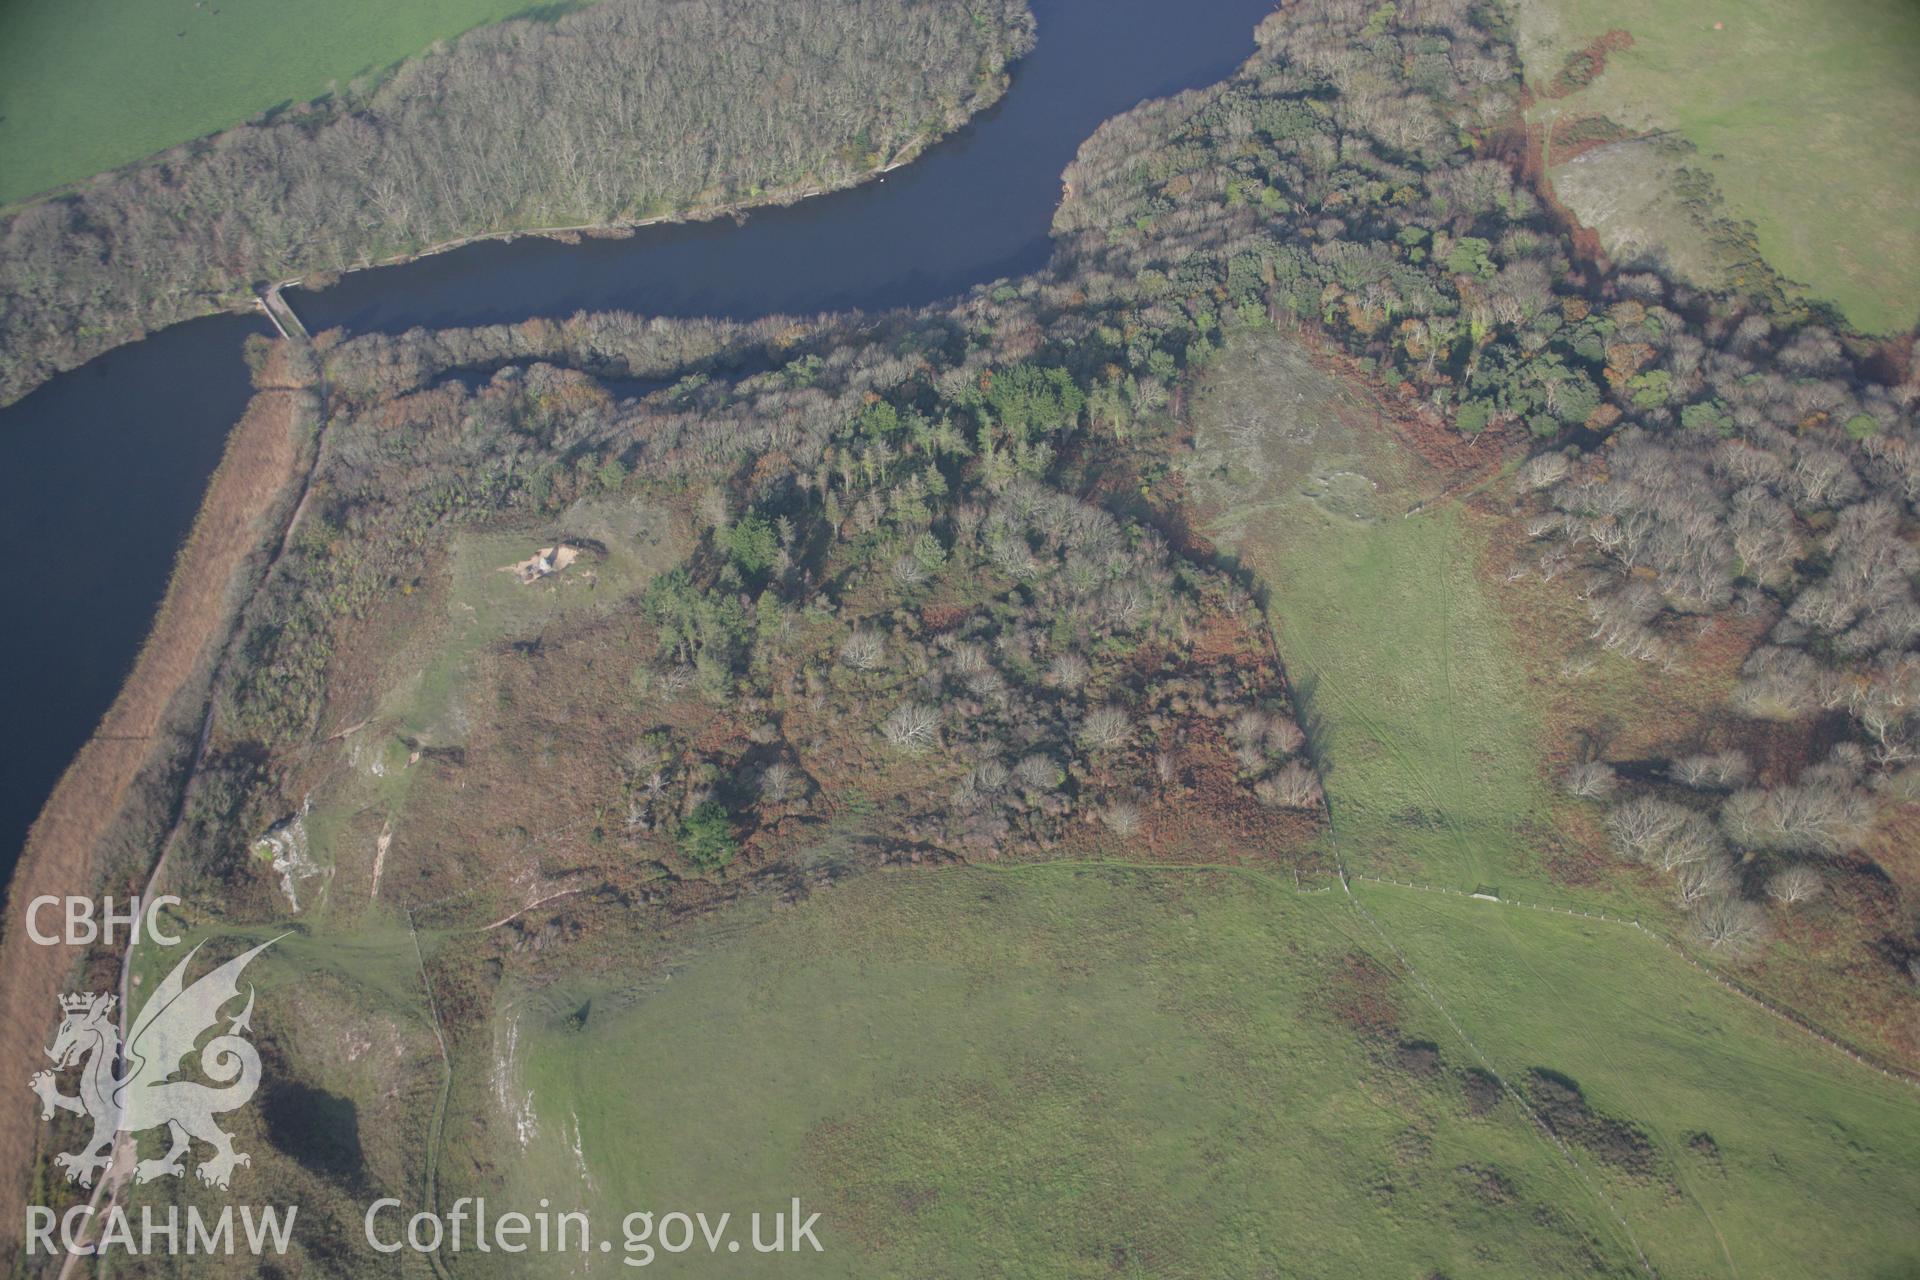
<point>919,570</point>
<point>629,110</point>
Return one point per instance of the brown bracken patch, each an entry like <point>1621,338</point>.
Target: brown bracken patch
<point>1359,992</point>
<point>1585,65</point>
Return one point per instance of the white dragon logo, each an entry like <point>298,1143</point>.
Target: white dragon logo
<point>145,1095</point>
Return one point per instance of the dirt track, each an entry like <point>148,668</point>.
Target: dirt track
<point>67,850</point>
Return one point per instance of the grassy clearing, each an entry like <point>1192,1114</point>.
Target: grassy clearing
<point>1629,192</point>
<point>1426,734</point>
<point>90,86</point>
<point>1419,710</point>
<point>487,607</point>
<point>1049,1071</point>
<point>434,679</point>
<point>1432,732</point>
<point>1800,109</point>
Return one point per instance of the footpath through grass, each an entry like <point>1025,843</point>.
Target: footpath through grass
<point>1802,110</point>
<point>89,85</point>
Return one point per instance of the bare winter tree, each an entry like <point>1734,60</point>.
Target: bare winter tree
<point>912,726</point>
<point>1068,671</point>
<point>1037,772</point>
<point>1696,881</point>
<point>1293,786</point>
<point>1823,815</point>
<point>907,572</point>
<point>1719,769</point>
<point>1122,818</point>
<point>673,681</point>
<point>1694,840</point>
<point>1543,472</point>
<point>863,650</point>
<point>778,781</point>
<point>1104,729</point>
<point>1284,736</point>
<point>1591,780</point>
<point>1641,827</point>
<point>1797,883</point>
<point>1262,733</point>
<point>1729,925</point>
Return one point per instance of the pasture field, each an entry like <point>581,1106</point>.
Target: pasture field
<point>1422,721</point>
<point>1431,710</point>
<point>1086,1071</point>
<point>1773,1154</point>
<point>1053,1070</point>
<point>1800,109</point>
<point>89,85</point>
<point>1446,703</point>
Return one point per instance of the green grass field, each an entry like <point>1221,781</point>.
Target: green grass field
<point>1430,755</point>
<point>486,606</point>
<point>1051,1071</point>
<point>1422,720</point>
<point>1071,1071</point>
<point>89,85</point>
<point>1430,741</point>
<point>1813,1168</point>
<point>1801,109</point>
